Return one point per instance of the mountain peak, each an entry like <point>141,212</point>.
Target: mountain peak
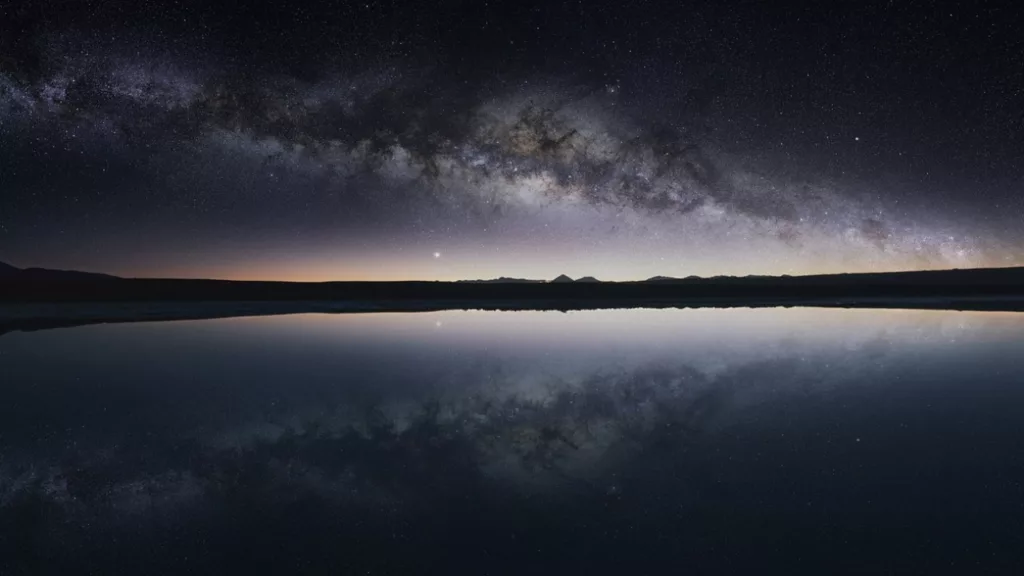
<point>587,279</point>
<point>562,279</point>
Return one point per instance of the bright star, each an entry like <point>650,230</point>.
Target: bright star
<point>437,254</point>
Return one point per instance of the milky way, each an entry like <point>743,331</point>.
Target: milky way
<point>377,170</point>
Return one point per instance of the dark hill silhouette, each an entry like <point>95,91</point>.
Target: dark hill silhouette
<point>586,279</point>
<point>943,288</point>
<point>502,280</point>
<point>81,298</point>
<point>47,275</point>
<point>664,279</point>
<point>7,271</point>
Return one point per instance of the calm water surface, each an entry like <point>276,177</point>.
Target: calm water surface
<point>628,441</point>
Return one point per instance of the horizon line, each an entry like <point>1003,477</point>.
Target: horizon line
<point>521,279</point>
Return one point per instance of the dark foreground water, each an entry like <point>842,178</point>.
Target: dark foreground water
<point>626,442</point>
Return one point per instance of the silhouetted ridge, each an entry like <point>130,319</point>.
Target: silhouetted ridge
<point>46,275</point>
<point>941,288</point>
<point>502,280</point>
<point>7,271</point>
<point>669,279</point>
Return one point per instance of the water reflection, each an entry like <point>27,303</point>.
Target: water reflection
<point>570,439</point>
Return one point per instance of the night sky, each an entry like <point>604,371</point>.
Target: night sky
<point>372,140</point>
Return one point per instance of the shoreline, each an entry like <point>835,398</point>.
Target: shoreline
<point>32,316</point>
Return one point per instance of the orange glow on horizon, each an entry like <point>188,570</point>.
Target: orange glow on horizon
<point>396,272</point>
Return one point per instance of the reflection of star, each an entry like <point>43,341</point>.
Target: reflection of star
<point>437,254</point>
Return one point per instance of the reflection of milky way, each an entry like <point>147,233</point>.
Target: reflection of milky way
<point>622,409</point>
<point>573,404</point>
<point>545,159</point>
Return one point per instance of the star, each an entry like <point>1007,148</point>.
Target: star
<point>437,255</point>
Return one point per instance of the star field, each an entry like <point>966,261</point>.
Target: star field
<point>446,141</point>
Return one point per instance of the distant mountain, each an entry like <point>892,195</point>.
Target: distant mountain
<point>994,288</point>
<point>666,279</point>
<point>503,280</point>
<point>563,279</point>
<point>6,270</point>
<point>59,275</point>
